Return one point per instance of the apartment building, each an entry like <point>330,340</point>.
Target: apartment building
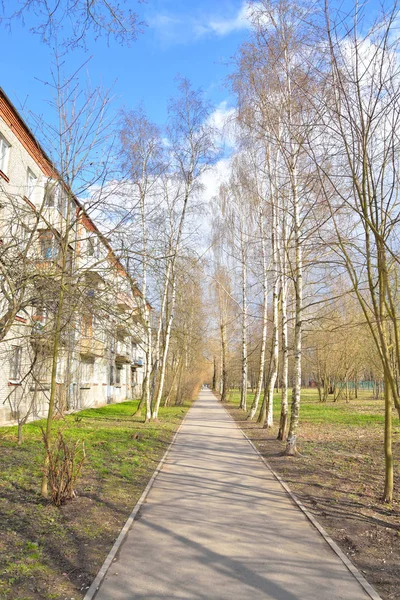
<point>61,286</point>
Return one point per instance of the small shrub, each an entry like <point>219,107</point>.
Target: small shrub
<point>65,461</point>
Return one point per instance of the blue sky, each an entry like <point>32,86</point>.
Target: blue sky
<point>196,39</point>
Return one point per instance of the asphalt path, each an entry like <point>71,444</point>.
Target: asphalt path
<point>217,525</point>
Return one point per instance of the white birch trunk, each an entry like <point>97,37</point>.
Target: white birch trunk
<point>159,329</point>
<point>273,374</point>
<point>157,403</point>
<point>224,369</point>
<point>243,395</point>
<point>221,368</point>
<point>173,300</point>
<point>146,392</point>
<point>295,409</point>
<point>261,371</point>
<point>284,323</point>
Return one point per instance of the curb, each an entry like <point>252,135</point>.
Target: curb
<point>94,588</point>
<point>345,560</point>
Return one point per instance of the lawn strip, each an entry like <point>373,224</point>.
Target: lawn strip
<point>50,553</point>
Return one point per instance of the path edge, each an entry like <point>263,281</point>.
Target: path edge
<point>372,593</point>
<point>98,580</point>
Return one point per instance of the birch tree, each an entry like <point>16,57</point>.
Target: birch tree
<point>80,130</point>
<point>236,211</point>
<point>260,208</point>
<point>283,249</point>
<point>358,165</point>
<point>283,33</point>
<point>187,364</point>
<point>144,163</point>
<point>192,148</point>
<point>226,315</point>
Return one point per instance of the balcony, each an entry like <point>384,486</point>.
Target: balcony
<point>41,339</point>
<point>122,353</point>
<point>53,217</point>
<point>123,331</point>
<point>137,362</point>
<point>89,347</point>
<point>124,302</point>
<point>42,335</point>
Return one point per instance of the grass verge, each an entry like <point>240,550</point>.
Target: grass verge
<point>55,553</point>
<point>339,478</point>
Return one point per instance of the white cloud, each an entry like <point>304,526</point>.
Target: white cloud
<point>224,124</point>
<point>213,178</point>
<point>169,28</point>
<point>222,115</point>
<point>185,28</point>
<point>238,22</point>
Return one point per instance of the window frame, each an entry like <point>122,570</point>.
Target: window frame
<point>31,178</point>
<point>87,372</point>
<point>51,194</point>
<point>15,364</point>
<point>91,246</point>
<point>87,325</point>
<point>49,248</point>
<point>5,158</point>
<point>118,370</point>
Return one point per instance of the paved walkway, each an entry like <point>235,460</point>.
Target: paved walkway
<point>218,526</point>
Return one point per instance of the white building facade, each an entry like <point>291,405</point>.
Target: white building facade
<point>61,285</point>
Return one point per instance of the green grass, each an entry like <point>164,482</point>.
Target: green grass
<point>47,552</point>
<point>108,433</point>
<point>363,411</point>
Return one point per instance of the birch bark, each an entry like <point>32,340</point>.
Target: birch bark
<point>260,381</point>
<point>291,448</point>
<point>284,322</point>
<point>273,373</point>
<point>243,395</point>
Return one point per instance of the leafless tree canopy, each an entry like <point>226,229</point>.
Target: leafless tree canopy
<point>75,19</point>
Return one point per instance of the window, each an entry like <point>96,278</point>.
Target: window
<point>68,264</point>
<point>39,318</point>
<point>62,202</point>
<point>19,231</point>
<point>31,181</point>
<point>90,246</point>
<point>87,371</point>
<point>111,375</point>
<point>50,194</point>
<point>15,363</point>
<point>93,246</point>
<point>97,248</point>
<point>118,375</point>
<point>48,246</point>
<point>60,369</point>
<point>40,314</point>
<point>25,233</point>
<point>4,153</point>
<point>87,325</point>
